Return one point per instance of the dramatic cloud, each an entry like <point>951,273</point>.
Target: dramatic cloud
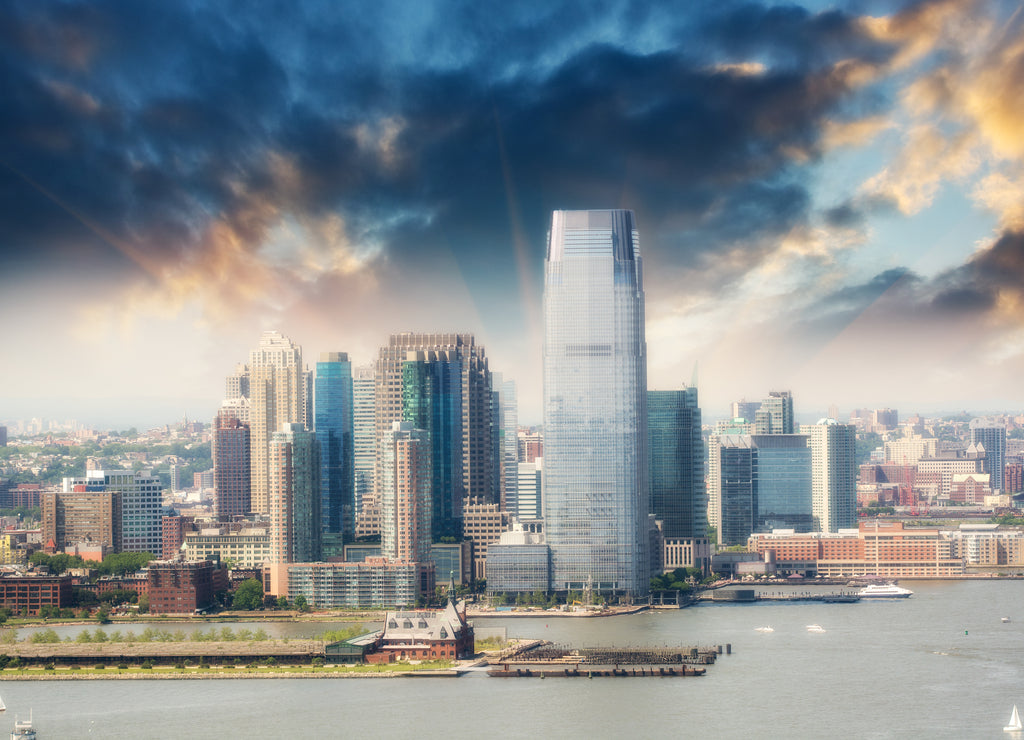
<point>339,175</point>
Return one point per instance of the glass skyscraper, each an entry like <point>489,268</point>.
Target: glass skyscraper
<point>333,424</point>
<point>783,482</point>
<point>432,402</point>
<point>595,404</point>
<point>993,438</point>
<point>676,454</point>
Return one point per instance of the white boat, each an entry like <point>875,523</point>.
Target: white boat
<point>764,629</point>
<point>23,729</point>
<point>3,707</point>
<point>1004,619</point>
<point>886,591</point>
<point>1015,723</point>
<point>815,628</point>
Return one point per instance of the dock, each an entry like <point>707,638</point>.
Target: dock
<point>545,660</point>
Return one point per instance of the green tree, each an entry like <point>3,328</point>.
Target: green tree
<point>301,604</point>
<point>248,595</point>
<point>282,602</point>
<point>144,604</point>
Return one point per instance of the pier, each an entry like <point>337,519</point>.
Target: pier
<point>545,660</point>
<point>747,595</point>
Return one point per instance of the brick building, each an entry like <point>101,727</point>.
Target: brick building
<point>184,587</point>
<point>29,594</point>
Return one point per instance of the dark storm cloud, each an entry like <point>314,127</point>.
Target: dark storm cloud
<point>830,314</point>
<point>898,294</point>
<point>150,121</point>
<point>976,286</point>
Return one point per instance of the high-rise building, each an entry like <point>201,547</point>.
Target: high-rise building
<point>405,484</point>
<point>676,453</point>
<point>479,461</point>
<point>736,472</point>
<point>531,445</point>
<point>783,483</point>
<point>744,409</point>
<point>993,438</point>
<point>833,474</point>
<point>529,495</point>
<point>595,404</point>
<point>508,429</point>
<point>295,528</point>
<point>141,505</point>
<point>236,385</point>
<point>364,435</point>
<point>79,515</point>
<point>232,463</point>
<point>277,395</point>
<point>775,416</point>
<point>333,422</point>
<point>432,402</point>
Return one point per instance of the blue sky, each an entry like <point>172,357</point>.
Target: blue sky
<point>830,197</point>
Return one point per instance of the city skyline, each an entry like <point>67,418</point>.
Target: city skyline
<point>838,188</point>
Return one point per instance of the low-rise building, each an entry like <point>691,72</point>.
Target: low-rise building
<point>886,549</point>
<point>30,593</point>
<point>184,587</point>
<point>246,548</point>
<point>374,582</point>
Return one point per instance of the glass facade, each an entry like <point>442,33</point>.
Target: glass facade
<point>595,420</point>
<point>783,482</point>
<point>993,439</point>
<point>295,529</point>
<point>676,454</point>
<point>738,486</point>
<point>333,423</point>
<point>432,401</point>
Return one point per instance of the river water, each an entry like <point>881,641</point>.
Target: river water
<point>940,665</point>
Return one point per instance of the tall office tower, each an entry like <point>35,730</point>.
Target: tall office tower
<point>141,505</point>
<point>833,474</point>
<point>744,409</point>
<point>364,433</point>
<point>736,477</point>
<point>277,395</point>
<point>993,438</point>
<point>237,384</point>
<point>775,416</point>
<point>405,483</point>
<point>595,404</point>
<point>676,462</point>
<point>529,496</point>
<point>295,528</point>
<point>508,430</point>
<point>232,482</point>
<point>432,402</point>
<point>783,483</point>
<point>479,474</point>
<point>333,422</point>
<point>307,379</point>
<point>174,469</point>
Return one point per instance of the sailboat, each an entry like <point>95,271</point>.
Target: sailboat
<point>3,707</point>
<point>1015,723</point>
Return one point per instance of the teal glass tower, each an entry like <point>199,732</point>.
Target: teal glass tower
<point>432,402</point>
<point>332,404</point>
<point>595,404</point>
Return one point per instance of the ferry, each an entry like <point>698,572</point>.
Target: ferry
<point>887,591</point>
